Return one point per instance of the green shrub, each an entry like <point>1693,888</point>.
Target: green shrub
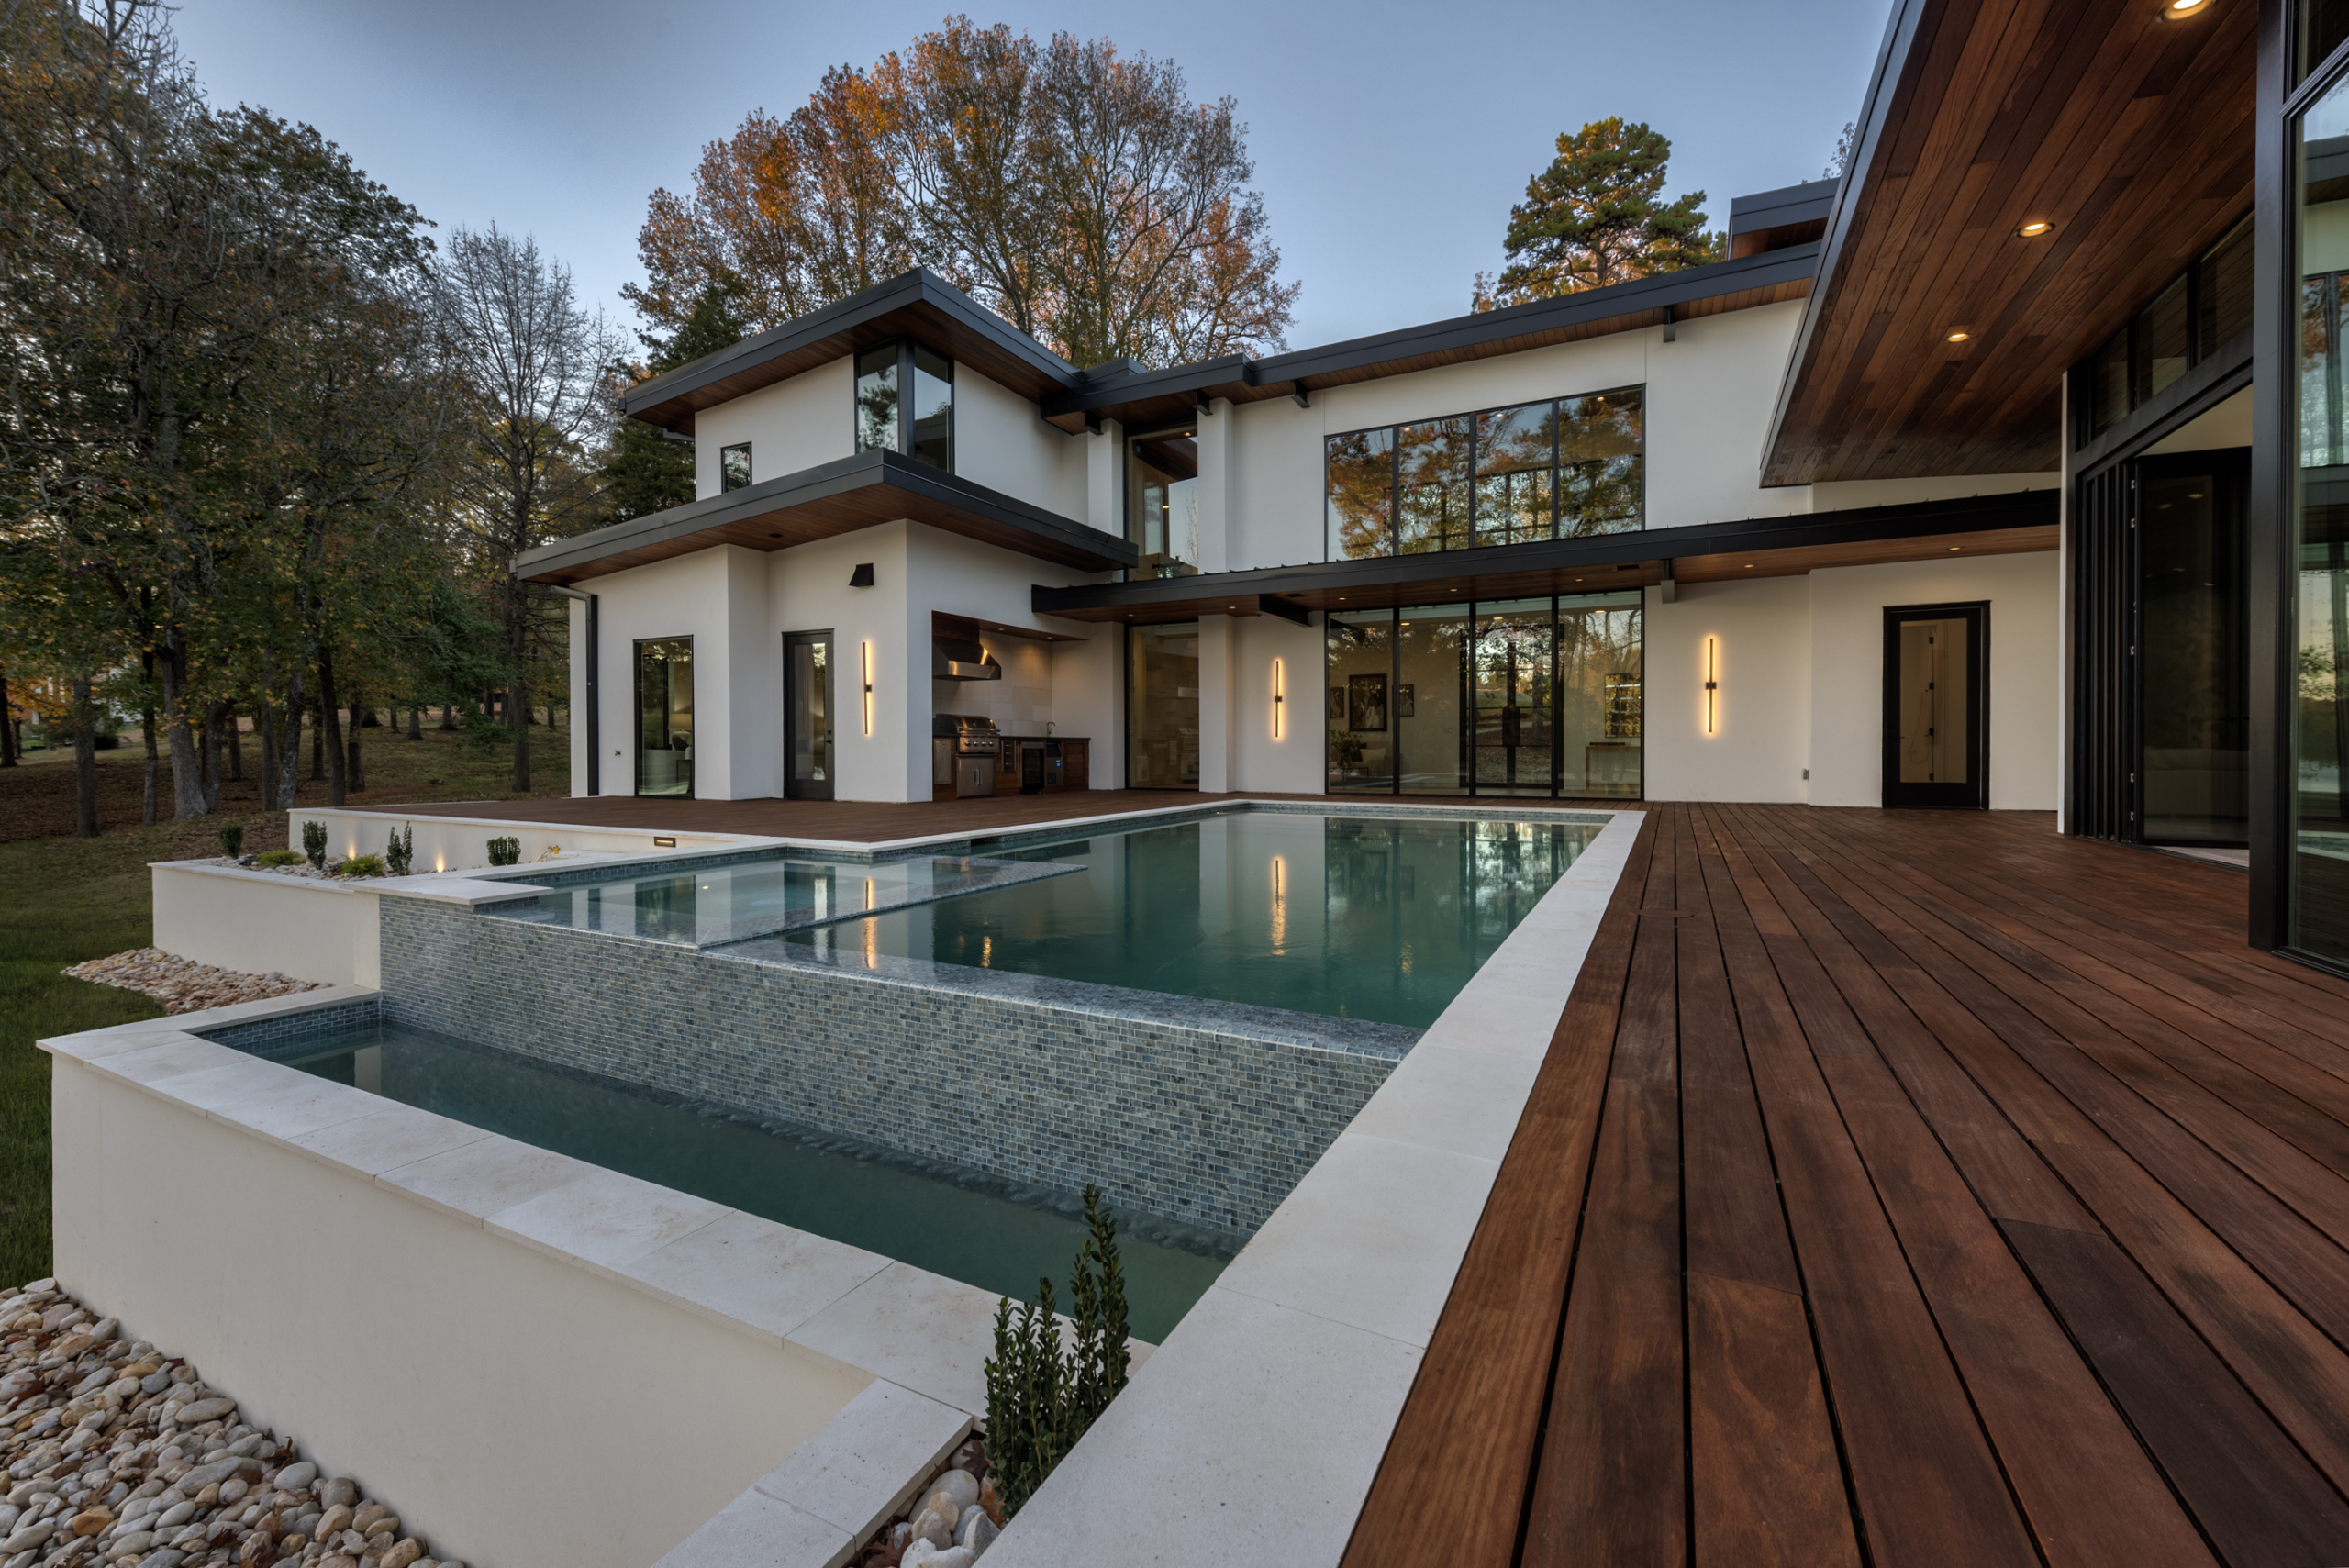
<point>232,839</point>
<point>1040,1400</point>
<point>362,865</point>
<point>400,853</point>
<point>270,858</point>
<point>505,851</point>
<point>314,843</point>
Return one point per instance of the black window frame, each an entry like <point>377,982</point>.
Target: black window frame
<point>2131,340</point>
<point>906,347</point>
<point>725,476</point>
<point>1474,418</point>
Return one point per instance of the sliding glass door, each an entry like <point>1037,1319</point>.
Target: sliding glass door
<point>664,717</point>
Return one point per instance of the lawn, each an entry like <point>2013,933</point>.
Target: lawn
<point>65,899</point>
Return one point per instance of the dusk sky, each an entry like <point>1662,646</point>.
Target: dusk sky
<point>1389,140</point>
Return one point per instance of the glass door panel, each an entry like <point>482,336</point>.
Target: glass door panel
<point>807,714</point>
<point>1515,734</point>
<point>2196,770</point>
<point>1601,696</point>
<point>1361,736</point>
<point>664,717</point>
<point>1162,707</point>
<point>1431,678</point>
<point>2318,852</point>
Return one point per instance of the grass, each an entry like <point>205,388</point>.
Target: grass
<point>65,899</point>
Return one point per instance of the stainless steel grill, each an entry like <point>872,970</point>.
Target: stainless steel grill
<point>969,750</point>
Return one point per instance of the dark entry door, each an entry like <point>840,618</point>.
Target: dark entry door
<point>807,771</point>
<point>1937,706</point>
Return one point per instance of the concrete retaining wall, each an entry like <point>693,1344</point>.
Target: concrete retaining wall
<point>461,843</point>
<point>257,922</point>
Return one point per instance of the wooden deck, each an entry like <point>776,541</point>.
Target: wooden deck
<point>1903,1188</point>
<point>869,822</point>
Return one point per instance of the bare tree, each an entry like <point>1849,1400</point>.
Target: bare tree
<point>531,364</point>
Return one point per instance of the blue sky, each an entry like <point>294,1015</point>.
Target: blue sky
<point>1389,139</point>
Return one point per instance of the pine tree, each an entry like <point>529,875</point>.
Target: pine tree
<point>1597,215</point>
<point>644,472</point>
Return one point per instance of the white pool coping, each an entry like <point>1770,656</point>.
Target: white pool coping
<point>1251,1436</point>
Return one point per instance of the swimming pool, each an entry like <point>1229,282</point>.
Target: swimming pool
<point>1378,918</point>
<point>951,1221</point>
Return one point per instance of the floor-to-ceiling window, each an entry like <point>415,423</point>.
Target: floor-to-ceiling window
<point>2317,832</point>
<point>664,717</point>
<point>2197,692</point>
<point>1162,707</point>
<point>1162,502</point>
<point>1501,697</point>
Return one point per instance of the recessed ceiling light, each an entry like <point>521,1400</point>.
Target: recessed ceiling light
<point>1958,335</point>
<point>1957,547</point>
<point>2178,10</point>
<point>1749,566</point>
<point>2034,229</point>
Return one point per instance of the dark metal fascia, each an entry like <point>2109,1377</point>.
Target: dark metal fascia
<point>837,477</point>
<point>919,287</point>
<point>2191,395</point>
<point>1892,62</point>
<point>1174,382</point>
<point>1803,203</point>
<point>1857,525</point>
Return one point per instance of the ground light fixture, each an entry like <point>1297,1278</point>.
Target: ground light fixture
<point>1280,700</point>
<point>1712,685</point>
<point>865,651</point>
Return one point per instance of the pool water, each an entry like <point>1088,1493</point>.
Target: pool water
<point>1382,918</point>
<point>962,1224</point>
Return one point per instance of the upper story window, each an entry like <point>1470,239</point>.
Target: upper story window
<point>1163,501</point>
<point>1556,470</point>
<point>905,403</point>
<point>734,466</point>
<point>2196,313</point>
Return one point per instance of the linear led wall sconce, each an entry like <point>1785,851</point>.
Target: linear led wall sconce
<point>865,651</point>
<point>1712,685</point>
<point>1280,700</point>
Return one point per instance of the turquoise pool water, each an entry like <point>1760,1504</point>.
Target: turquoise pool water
<point>1373,917</point>
<point>959,1223</point>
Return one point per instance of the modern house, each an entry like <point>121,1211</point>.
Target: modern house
<point>1931,495</point>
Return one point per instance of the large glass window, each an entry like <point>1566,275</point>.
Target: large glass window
<point>664,717</point>
<point>2320,828</point>
<point>1537,470</point>
<point>2197,314</point>
<point>888,379</point>
<point>1162,707</point>
<point>1514,697</point>
<point>1163,501</point>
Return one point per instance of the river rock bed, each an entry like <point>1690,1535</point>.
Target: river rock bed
<point>955,1517</point>
<point>118,1455</point>
<point>182,984</point>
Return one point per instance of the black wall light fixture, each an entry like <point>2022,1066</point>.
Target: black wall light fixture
<point>861,577</point>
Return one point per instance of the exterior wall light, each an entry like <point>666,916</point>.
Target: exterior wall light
<point>1280,701</point>
<point>1712,685</point>
<point>865,651</point>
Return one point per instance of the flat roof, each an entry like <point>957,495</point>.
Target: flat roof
<point>832,498</point>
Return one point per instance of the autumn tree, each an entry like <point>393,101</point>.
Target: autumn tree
<point>1080,193</point>
<point>1597,215</point>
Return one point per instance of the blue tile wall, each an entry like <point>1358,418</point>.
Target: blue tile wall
<point>285,1026</point>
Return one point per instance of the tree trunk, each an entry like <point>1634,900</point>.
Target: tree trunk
<point>518,694</point>
<point>265,731</point>
<point>355,772</point>
<point>289,756</point>
<point>215,719</point>
<point>8,729</point>
<point>235,738</point>
<point>187,770</point>
<point>147,806</point>
<point>330,723</point>
<point>448,711</point>
<point>415,722</point>
<point>85,759</point>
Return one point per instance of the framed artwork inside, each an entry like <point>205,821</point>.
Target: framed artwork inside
<point>1336,704</point>
<point>1367,702</point>
<point>1403,704</point>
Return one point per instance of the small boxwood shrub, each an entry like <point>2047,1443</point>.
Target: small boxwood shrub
<point>272,859</point>
<point>314,843</point>
<point>363,865</point>
<point>232,839</point>
<point>505,851</point>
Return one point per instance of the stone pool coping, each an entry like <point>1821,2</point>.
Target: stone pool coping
<point>921,1337</point>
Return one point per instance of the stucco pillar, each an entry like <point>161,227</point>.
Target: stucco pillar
<point>1216,654</point>
<point>1215,488</point>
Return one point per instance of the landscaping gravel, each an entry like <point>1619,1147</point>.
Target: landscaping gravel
<point>118,1455</point>
<point>953,1518</point>
<point>182,984</point>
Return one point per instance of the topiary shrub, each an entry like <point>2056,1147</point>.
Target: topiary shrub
<point>314,843</point>
<point>505,851</point>
<point>232,839</point>
<point>400,853</point>
<point>362,865</point>
<point>1040,1401</point>
<point>272,859</point>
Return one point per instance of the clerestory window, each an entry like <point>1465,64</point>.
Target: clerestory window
<point>905,403</point>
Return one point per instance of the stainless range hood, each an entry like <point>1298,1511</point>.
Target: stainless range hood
<point>952,659</point>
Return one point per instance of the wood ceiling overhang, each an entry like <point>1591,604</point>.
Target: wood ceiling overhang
<point>837,497</point>
<point>1705,553</point>
<point>914,305</point>
<point>1154,397</point>
<point>2130,133</point>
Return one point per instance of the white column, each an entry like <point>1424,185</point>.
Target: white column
<point>1215,703</point>
<point>1105,473</point>
<point>1214,487</point>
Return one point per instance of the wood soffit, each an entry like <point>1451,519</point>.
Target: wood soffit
<point>2131,135</point>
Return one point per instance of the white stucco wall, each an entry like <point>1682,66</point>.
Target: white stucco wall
<point>792,425</point>
<point>698,596</point>
<point>1001,442</point>
<point>255,922</point>
<point>1294,764</point>
<point>1764,719</point>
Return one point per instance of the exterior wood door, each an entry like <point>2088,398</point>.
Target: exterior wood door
<point>1937,706</point>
